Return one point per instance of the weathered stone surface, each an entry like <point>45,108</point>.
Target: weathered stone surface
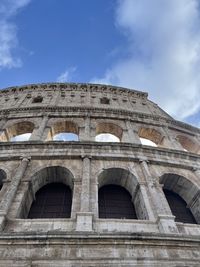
<point>85,240</point>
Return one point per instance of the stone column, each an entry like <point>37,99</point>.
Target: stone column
<point>3,134</point>
<point>165,219</point>
<point>147,203</point>
<point>11,192</point>
<point>194,204</point>
<point>38,132</point>
<point>85,193</point>
<point>170,141</point>
<point>84,217</point>
<point>94,198</point>
<point>84,134</point>
<point>132,133</point>
<point>76,198</point>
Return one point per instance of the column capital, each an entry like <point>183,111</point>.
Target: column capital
<point>195,169</point>
<point>141,160</point>
<point>86,157</point>
<point>25,158</point>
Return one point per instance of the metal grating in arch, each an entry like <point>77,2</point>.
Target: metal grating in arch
<point>179,208</point>
<point>53,200</point>
<point>115,202</point>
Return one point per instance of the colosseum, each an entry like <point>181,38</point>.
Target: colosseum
<point>81,187</point>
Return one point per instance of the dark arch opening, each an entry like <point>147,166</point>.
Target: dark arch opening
<point>179,208</point>
<point>2,178</point>
<point>53,200</point>
<point>115,202</point>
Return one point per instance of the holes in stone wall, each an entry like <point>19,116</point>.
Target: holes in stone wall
<point>105,101</point>
<point>37,99</point>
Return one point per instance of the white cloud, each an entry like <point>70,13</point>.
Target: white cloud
<point>66,76</point>
<point>163,52</point>
<point>8,32</point>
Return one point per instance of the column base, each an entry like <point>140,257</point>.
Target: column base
<point>2,222</point>
<point>166,224</point>
<point>84,221</point>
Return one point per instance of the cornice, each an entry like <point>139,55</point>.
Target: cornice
<point>98,151</point>
<point>75,87</point>
<point>58,237</point>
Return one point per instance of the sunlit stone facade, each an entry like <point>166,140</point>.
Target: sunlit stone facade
<point>92,225</point>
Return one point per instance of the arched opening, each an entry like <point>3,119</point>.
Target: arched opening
<point>21,137</point>
<point>52,201</point>
<point>52,185</point>
<point>183,194</point>
<point>106,137</point>
<point>147,142</point>
<point>65,137</point>
<point>115,202</point>
<point>188,144</point>
<point>2,178</point>
<point>20,131</point>
<point>117,184</point>
<point>64,131</point>
<point>150,137</point>
<point>108,132</point>
<point>179,207</point>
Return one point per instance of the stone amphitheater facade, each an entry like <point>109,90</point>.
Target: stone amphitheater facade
<point>88,237</point>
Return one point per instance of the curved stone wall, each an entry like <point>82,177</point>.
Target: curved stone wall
<point>45,110</point>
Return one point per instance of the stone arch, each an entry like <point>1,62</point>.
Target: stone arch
<point>108,128</point>
<point>21,129</point>
<point>3,177</point>
<point>186,189</point>
<point>125,179</point>
<point>68,129</point>
<point>188,144</point>
<point>43,177</point>
<point>151,134</point>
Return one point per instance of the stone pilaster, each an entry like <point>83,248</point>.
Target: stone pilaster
<point>76,198</point>
<point>165,219</point>
<point>11,192</point>
<point>94,199</point>
<point>84,217</point>
<point>84,134</point>
<point>170,141</point>
<point>3,134</point>
<point>144,193</point>
<point>132,133</point>
<point>85,193</point>
<point>38,132</point>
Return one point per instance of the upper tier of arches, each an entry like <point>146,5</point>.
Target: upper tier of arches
<point>99,130</point>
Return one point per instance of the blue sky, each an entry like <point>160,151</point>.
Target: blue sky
<point>150,45</point>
